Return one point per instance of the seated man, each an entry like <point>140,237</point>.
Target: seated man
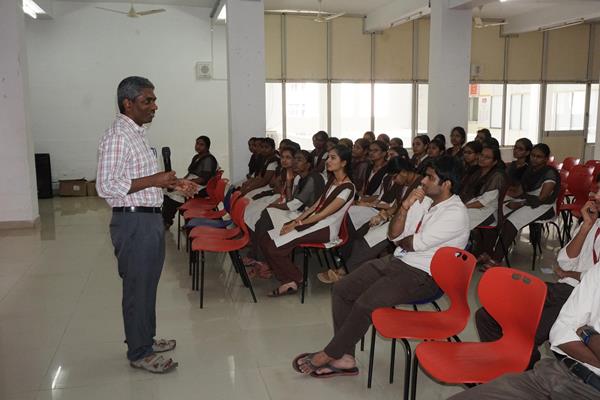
<point>575,373</point>
<point>574,260</point>
<point>443,221</point>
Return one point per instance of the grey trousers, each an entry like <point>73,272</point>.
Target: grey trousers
<point>549,379</point>
<point>139,242</point>
<point>377,283</point>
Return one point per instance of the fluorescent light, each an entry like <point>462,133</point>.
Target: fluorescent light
<point>222,17</point>
<point>32,9</point>
<point>565,24</point>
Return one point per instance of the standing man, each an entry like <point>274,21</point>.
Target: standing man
<point>129,180</point>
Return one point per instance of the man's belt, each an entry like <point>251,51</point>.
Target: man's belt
<point>580,370</point>
<point>152,210</point>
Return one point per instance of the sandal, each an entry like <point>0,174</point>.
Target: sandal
<point>155,364</point>
<point>263,270</point>
<point>289,291</point>
<point>331,276</point>
<point>300,357</point>
<point>162,345</point>
<point>334,371</point>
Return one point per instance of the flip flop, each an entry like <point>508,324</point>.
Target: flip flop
<point>299,357</point>
<point>288,292</point>
<point>334,372</point>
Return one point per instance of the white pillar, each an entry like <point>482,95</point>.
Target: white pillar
<point>18,189</point>
<point>246,80</point>
<point>449,68</point>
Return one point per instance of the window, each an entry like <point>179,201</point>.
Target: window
<point>422,106</point>
<point>350,109</point>
<point>485,109</point>
<point>393,110</point>
<point>565,107</point>
<point>522,112</point>
<point>593,120</point>
<point>274,115</point>
<point>306,111</point>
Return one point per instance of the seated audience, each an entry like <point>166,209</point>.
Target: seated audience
<point>516,169</point>
<point>203,167</point>
<point>370,136</point>
<point>384,138</point>
<point>435,149</point>
<point>397,142</point>
<point>419,148</point>
<point>536,199</point>
<point>574,261</point>
<point>442,221</point>
<point>483,135</point>
<point>320,223</point>
<point>471,153</point>
<point>574,371</point>
<point>360,162</point>
<point>331,143</point>
<point>264,175</point>
<point>458,138</point>
<point>377,170</point>
<point>347,142</point>
<point>319,154</point>
<point>440,138</point>
<point>288,143</point>
<point>255,163</point>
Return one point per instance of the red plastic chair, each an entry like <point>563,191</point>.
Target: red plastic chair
<point>306,247</point>
<point>515,300</point>
<point>452,269</point>
<point>579,183</point>
<point>592,163</point>
<point>221,245</point>
<point>570,162</point>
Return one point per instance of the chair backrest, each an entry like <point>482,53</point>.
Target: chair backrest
<point>211,185</point>
<point>452,269</point>
<point>227,200</point>
<point>579,182</point>
<point>237,212</point>
<point>343,235</point>
<point>219,194</point>
<point>570,162</point>
<point>515,300</point>
<point>592,163</point>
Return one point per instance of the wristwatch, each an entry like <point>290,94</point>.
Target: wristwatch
<point>586,334</point>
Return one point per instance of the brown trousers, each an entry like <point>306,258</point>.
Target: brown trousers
<point>280,258</point>
<point>377,283</point>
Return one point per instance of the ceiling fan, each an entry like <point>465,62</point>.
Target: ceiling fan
<point>324,17</point>
<point>479,22</point>
<point>132,13</point>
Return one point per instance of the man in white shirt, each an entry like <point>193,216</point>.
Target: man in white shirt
<point>575,372</point>
<point>405,278</point>
<point>574,260</point>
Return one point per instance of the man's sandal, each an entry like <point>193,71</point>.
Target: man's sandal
<point>162,345</point>
<point>334,371</point>
<point>296,362</point>
<point>155,364</point>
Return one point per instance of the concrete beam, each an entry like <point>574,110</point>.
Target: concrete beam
<point>395,13</point>
<point>552,15</point>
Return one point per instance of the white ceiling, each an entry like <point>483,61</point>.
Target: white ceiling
<point>362,7</point>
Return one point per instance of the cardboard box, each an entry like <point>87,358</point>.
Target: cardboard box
<point>72,187</point>
<point>91,188</point>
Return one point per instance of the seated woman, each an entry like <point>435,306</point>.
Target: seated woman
<point>347,142</point>
<point>280,191</point>
<point>308,186</point>
<point>419,148</point>
<point>537,200</point>
<point>331,143</point>
<point>320,223</point>
<point>377,170</point>
<point>517,168</point>
<point>471,153</point>
<point>482,205</point>
<point>371,239</point>
<point>255,163</point>
<point>360,162</point>
<point>396,141</point>
<point>458,138</point>
<point>203,167</point>
<point>263,177</point>
<point>435,149</point>
<point>369,136</point>
<point>319,154</point>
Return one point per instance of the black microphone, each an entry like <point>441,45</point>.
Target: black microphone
<point>166,153</point>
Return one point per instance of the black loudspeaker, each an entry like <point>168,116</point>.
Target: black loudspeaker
<point>43,175</point>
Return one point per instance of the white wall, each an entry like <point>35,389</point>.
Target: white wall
<point>77,59</point>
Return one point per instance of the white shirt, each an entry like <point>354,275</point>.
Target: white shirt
<point>442,225</point>
<point>585,260</point>
<point>582,308</point>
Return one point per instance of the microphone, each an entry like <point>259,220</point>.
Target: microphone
<point>166,153</point>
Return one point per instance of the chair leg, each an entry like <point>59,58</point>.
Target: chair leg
<point>319,258</point>
<point>392,360</point>
<point>505,252</point>
<point>244,275</point>
<point>190,259</point>
<point>362,343</point>
<point>202,281</point>
<point>305,274</point>
<point>193,270</point>
<point>371,356</point>
<point>178,229</point>
<point>407,367</point>
<point>413,383</point>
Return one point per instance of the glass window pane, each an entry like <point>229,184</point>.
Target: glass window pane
<point>523,113</point>
<point>565,105</point>
<point>422,105</point>
<point>350,109</point>
<point>592,124</point>
<point>485,109</point>
<point>393,110</point>
<point>274,115</point>
<point>306,111</point>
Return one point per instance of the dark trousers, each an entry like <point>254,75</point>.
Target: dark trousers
<point>169,209</point>
<point>489,330</point>
<point>356,251</point>
<point>261,230</point>
<point>377,283</point>
<point>139,242</point>
<point>280,258</point>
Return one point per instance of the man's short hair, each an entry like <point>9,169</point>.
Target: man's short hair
<point>130,88</point>
<point>448,168</point>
